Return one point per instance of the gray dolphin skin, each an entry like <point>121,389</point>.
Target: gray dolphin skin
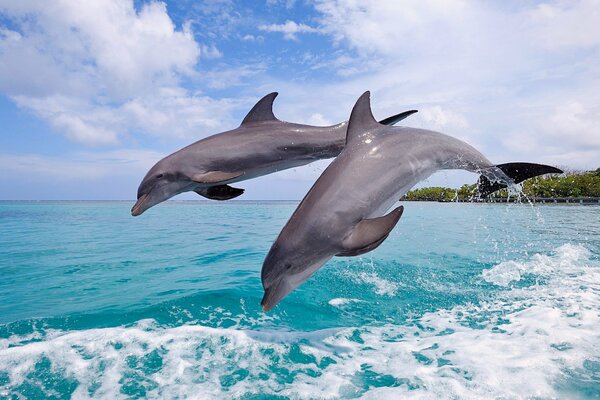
<point>344,213</point>
<point>260,146</point>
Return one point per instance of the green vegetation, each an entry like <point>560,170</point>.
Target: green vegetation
<point>569,185</point>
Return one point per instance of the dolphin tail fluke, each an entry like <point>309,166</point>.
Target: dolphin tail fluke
<point>397,118</point>
<point>517,172</point>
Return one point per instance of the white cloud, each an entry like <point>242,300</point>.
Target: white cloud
<point>103,175</point>
<point>253,38</point>
<point>289,29</point>
<point>79,120</point>
<point>563,24</point>
<point>211,51</point>
<point>79,166</point>
<point>441,119</point>
<point>220,78</point>
<point>287,3</point>
<point>106,41</point>
<point>99,71</point>
<point>319,119</point>
<point>485,72</point>
<point>575,123</point>
<point>567,134</point>
<point>517,80</point>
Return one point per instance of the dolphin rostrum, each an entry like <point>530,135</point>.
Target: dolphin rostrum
<point>261,145</point>
<point>344,213</point>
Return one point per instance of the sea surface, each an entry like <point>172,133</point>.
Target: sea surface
<point>462,301</point>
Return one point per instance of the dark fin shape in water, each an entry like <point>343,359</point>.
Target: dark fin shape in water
<point>518,172</point>
<point>370,233</point>
<point>220,192</point>
<point>397,118</point>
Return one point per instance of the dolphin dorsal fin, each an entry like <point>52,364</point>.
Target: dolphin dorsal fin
<point>262,110</point>
<point>361,118</point>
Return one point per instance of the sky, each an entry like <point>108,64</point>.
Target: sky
<point>93,93</point>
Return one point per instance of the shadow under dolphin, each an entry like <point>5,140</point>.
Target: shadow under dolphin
<point>261,145</point>
<point>344,213</point>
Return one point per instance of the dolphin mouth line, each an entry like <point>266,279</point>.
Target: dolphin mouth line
<point>135,210</point>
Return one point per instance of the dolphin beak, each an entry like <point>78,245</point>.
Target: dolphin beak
<point>139,208</point>
<point>274,294</point>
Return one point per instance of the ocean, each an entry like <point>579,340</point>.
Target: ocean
<point>462,301</point>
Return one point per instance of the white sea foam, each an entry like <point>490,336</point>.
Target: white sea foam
<point>340,301</point>
<point>527,342</point>
<point>381,286</point>
<point>568,258</point>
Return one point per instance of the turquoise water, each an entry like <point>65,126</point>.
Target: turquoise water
<point>461,301</point>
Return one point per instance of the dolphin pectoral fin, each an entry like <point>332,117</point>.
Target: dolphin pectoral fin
<point>362,250</point>
<point>368,234</point>
<point>518,172</point>
<point>220,192</point>
<point>216,176</point>
<point>397,118</point>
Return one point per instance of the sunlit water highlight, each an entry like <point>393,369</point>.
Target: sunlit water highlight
<point>461,301</point>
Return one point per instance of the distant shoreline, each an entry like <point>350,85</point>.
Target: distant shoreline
<point>512,200</point>
<point>536,200</point>
<point>567,188</point>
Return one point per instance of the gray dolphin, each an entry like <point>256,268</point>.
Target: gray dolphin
<point>343,214</point>
<point>260,146</point>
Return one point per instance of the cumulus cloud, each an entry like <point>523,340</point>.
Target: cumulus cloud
<point>287,3</point>
<point>318,119</point>
<point>107,41</point>
<point>438,118</point>
<point>567,24</point>
<point>100,70</point>
<point>78,166</point>
<point>289,29</point>
<point>86,175</point>
<point>518,80</point>
<point>486,72</point>
<point>253,38</point>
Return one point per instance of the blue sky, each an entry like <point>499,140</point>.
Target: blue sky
<point>93,93</point>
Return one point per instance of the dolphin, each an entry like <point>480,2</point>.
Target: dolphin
<point>261,145</point>
<point>344,213</point>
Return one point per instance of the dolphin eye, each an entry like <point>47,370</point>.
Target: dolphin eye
<point>159,176</point>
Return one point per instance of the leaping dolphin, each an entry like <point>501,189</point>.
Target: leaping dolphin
<point>261,145</point>
<point>343,214</point>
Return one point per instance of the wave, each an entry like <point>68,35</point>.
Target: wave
<point>538,336</point>
<point>381,286</point>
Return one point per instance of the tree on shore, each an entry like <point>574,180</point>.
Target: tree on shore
<point>570,185</point>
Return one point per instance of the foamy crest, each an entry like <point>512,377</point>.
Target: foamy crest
<point>567,258</point>
<point>382,287</point>
<point>529,341</point>
<point>340,301</point>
